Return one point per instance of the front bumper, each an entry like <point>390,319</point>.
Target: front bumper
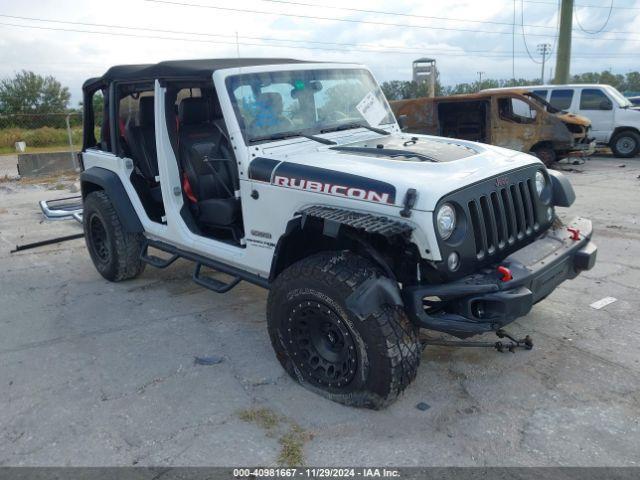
<point>583,149</point>
<point>484,302</point>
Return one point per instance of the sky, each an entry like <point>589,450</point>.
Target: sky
<point>74,40</point>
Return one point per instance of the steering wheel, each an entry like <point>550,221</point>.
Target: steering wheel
<point>336,116</point>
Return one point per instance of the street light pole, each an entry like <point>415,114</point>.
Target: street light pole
<point>544,49</point>
<point>480,80</point>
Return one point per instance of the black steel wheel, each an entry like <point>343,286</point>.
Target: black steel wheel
<point>321,343</point>
<point>114,251</point>
<point>98,241</point>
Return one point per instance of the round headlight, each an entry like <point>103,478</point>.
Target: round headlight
<point>446,221</point>
<point>541,182</point>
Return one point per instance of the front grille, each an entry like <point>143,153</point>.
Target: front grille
<point>573,128</point>
<point>503,217</point>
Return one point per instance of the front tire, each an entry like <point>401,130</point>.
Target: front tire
<point>326,347</point>
<point>625,144</point>
<point>114,251</point>
<point>547,155</point>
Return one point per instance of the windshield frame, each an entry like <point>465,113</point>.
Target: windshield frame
<point>543,103</point>
<point>231,113</point>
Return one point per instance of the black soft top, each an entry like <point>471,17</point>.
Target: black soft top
<point>203,68</point>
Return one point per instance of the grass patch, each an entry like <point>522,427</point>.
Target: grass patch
<point>291,436</point>
<point>263,417</point>
<point>63,147</point>
<point>39,137</point>
<point>60,181</point>
<point>292,446</point>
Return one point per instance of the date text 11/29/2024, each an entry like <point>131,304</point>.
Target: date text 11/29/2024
<point>256,473</point>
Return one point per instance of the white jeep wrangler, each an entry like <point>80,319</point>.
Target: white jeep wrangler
<point>295,176</point>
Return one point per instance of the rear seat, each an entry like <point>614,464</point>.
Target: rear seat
<point>141,139</point>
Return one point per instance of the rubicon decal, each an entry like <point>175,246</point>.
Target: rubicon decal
<point>321,180</point>
<point>342,190</point>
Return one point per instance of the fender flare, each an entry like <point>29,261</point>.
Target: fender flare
<point>332,220</point>
<point>563,194</point>
<point>97,178</point>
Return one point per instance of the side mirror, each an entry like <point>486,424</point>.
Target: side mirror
<point>606,104</point>
<point>402,121</point>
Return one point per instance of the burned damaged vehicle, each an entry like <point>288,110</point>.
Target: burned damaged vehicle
<point>295,177</point>
<point>515,119</point>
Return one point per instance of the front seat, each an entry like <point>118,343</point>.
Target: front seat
<point>209,176</point>
<point>141,140</point>
<point>269,116</point>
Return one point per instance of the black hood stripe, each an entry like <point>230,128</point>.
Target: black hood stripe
<point>268,170</point>
<point>261,169</point>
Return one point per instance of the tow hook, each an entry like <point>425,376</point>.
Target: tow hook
<point>506,274</point>
<point>575,233</point>
<point>525,343</point>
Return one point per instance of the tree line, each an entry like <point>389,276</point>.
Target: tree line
<point>403,89</point>
<point>29,93</point>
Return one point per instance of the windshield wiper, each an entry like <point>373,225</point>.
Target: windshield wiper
<point>283,135</point>
<point>349,126</point>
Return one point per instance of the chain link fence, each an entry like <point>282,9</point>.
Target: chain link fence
<point>40,132</point>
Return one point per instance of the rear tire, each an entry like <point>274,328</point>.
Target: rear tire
<point>114,251</point>
<point>326,347</point>
<point>625,144</point>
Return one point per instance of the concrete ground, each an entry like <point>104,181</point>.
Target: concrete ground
<point>96,373</point>
<point>8,166</point>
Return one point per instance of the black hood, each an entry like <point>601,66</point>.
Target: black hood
<point>411,149</point>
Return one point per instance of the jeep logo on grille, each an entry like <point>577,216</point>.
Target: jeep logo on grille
<point>502,181</point>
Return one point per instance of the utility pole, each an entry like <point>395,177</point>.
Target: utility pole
<point>563,58</point>
<point>480,80</point>
<point>544,49</point>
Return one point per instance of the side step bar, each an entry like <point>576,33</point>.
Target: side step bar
<point>200,261</point>
<point>213,284</point>
<point>62,208</point>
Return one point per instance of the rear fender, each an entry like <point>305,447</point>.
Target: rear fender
<point>97,178</point>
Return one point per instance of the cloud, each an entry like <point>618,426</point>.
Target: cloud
<point>73,56</point>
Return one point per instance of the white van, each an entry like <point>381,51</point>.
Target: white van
<point>613,120</point>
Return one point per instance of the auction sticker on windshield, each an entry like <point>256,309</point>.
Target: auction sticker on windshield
<point>372,109</point>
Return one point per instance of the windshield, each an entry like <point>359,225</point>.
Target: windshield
<point>620,99</point>
<point>541,101</point>
<point>273,105</point>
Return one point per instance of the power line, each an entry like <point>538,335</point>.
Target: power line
<point>349,20</point>
<point>549,48</point>
<point>490,53</point>
<point>524,37</point>
<point>399,14</point>
<point>179,32</point>
<point>418,49</point>
<point>414,15</point>
<point>486,53</point>
<point>541,2</point>
<point>604,25</point>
